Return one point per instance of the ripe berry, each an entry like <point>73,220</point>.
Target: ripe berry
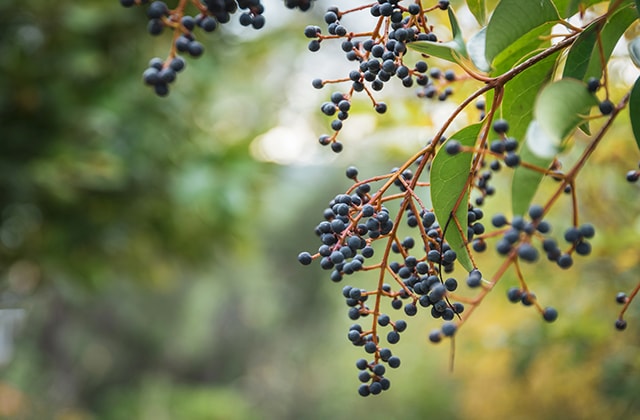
<point>606,107</point>
<point>527,252</point>
<point>443,4</point>
<point>621,324</point>
<point>363,390</point>
<point>565,261</point>
<point>536,211</point>
<point>514,294</point>
<point>633,175</point>
<point>621,298</point>
<point>512,160</point>
<point>435,336</point>
<point>453,147</point>
<point>393,337</point>
<point>500,126</point>
<point>157,9</point>
<point>305,258</point>
<point>394,362</point>
<point>593,84</point>
<point>449,329</point>
<point>550,314</point>
<point>381,107</point>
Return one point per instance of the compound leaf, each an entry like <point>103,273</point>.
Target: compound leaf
<point>449,175</point>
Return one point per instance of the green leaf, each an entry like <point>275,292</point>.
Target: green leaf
<point>527,45</point>
<point>450,51</point>
<point>611,32</point>
<point>512,19</point>
<point>475,48</point>
<point>568,8</point>
<point>581,52</point>
<point>634,110</point>
<point>479,10</point>
<point>634,51</point>
<point>526,181</point>
<point>449,174</point>
<point>560,108</point>
<point>518,104</point>
<point>521,93</point>
<point>638,7</point>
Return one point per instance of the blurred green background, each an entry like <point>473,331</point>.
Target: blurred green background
<point>148,246</point>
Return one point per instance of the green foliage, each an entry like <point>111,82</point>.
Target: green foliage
<point>449,174</point>
<point>512,19</point>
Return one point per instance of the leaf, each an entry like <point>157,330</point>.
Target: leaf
<point>581,52</point>
<point>634,110</point>
<point>521,93</point>
<point>518,104</point>
<point>479,10</point>
<point>525,181</point>
<point>449,174</point>
<point>634,51</point>
<point>512,19</point>
<point>450,50</point>
<point>611,32</point>
<point>568,8</point>
<point>559,109</point>
<point>444,50</point>
<point>525,46</point>
<point>638,7</point>
<point>475,48</point>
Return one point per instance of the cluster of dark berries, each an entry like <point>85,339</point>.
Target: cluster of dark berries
<point>209,15</point>
<point>380,56</point>
<point>159,75</point>
<point>528,298</point>
<point>352,223</point>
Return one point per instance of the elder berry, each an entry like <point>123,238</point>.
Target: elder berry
<point>381,107</point>
<point>514,294</point>
<point>512,160</point>
<point>449,329</point>
<point>593,84</point>
<point>621,324</point>
<point>550,314</point>
<point>393,337</point>
<point>527,252</point>
<point>305,258</point>
<point>621,298</point>
<point>633,176</point>
<point>363,390</point>
<point>453,147</point>
<point>606,107</point>
<point>500,126</point>
<point>443,4</point>
<point>375,388</point>
<point>394,362</point>
<point>435,336</point>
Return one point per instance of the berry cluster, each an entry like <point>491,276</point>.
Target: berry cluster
<point>353,225</point>
<point>208,16</point>
<point>380,55</point>
<point>359,225</point>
